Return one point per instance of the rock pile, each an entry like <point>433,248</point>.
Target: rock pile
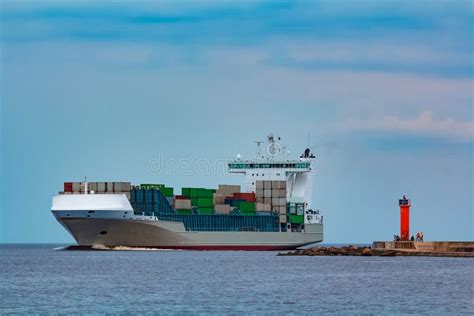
<point>368,251</point>
<point>331,251</point>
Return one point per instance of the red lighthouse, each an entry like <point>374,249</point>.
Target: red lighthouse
<point>404,204</point>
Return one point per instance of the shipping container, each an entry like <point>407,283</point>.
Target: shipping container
<point>109,187</point>
<point>248,213</point>
<point>194,201</point>
<point>168,192</point>
<point>260,200</point>
<point>76,186</point>
<point>263,213</point>
<point>267,193</point>
<point>247,207</point>
<point>150,186</point>
<point>205,202</point>
<point>205,193</point>
<point>206,210</point>
<point>67,186</point>
<point>125,186</point>
<point>101,187</point>
<point>259,185</point>
<point>282,210</point>
<point>228,189</point>
<point>181,197</point>
<point>295,199</point>
<point>267,184</point>
<point>297,219</point>
<point>186,191</point>
<point>194,192</point>
<point>249,197</point>
<point>267,200</point>
<point>222,208</point>
<point>182,204</point>
<point>283,219</point>
<point>218,198</point>
<point>92,186</point>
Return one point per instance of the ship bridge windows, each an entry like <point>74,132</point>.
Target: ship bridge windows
<point>299,165</point>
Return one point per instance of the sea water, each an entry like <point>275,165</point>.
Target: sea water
<point>46,279</point>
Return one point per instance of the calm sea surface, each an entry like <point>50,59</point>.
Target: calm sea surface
<point>40,279</point>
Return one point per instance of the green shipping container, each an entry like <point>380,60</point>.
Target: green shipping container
<point>205,193</point>
<point>186,191</point>
<point>297,219</point>
<point>168,192</point>
<point>184,212</point>
<point>193,192</point>
<point>247,206</point>
<point>206,211</point>
<point>205,202</point>
<point>248,213</point>
<point>151,186</point>
<point>194,201</point>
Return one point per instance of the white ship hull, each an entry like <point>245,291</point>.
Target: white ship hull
<point>146,232</point>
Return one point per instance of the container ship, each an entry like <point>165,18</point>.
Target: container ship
<point>271,211</point>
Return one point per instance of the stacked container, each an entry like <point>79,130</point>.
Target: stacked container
<point>200,198</point>
<point>271,196</point>
<point>149,202</point>
<point>98,188</point>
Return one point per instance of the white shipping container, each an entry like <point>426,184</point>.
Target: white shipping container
<point>101,186</point>
<point>110,187</point>
<point>275,193</point>
<point>267,184</point>
<point>117,186</point>
<point>296,199</point>
<point>275,184</point>
<point>125,186</point>
<point>182,204</point>
<point>228,189</point>
<point>219,198</point>
<point>222,208</point>
<point>282,210</point>
<point>283,219</point>
<point>282,201</point>
<point>92,186</point>
<point>267,200</point>
<point>76,186</point>
<point>260,193</point>
<point>276,201</point>
<point>259,185</point>
<point>267,193</point>
<point>282,193</point>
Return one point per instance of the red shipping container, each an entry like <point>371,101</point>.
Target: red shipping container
<point>249,197</point>
<point>181,197</point>
<point>67,186</point>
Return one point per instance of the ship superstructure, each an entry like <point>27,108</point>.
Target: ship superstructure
<point>274,211</point>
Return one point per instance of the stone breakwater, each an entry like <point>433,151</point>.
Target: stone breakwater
<point>369,251</point>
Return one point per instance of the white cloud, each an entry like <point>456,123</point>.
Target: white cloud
<point>424,125</point>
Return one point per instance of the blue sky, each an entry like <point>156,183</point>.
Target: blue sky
<point>104,89</point>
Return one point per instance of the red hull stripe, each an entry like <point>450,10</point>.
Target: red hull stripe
<point>202,247</point>
<point>230,247</point>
